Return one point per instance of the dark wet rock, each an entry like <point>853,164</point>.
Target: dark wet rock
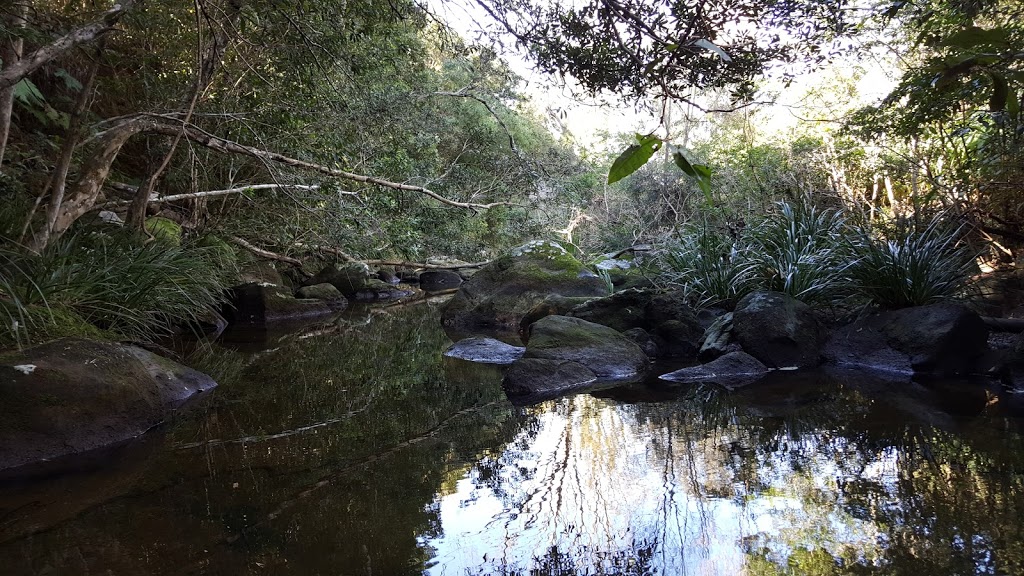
<point>936,339</point>
<point>498,297</point>
<point>439,280</point>
<point>678,339</point>
<point>539,378</point>
<point>666,316</point>
<point>778,330</point>
<point>718,339</point>
<point>73,395</point>
<point>374,290</point>
<point>620,311</point>
<point>348,278</point>
<point>387,275</point>
<point>467,273</point>
<point>732,370</point>
<point>485,351</point>
<point>262,303</point>
<point>323,291</point>
<point>643,340</point>
<point>606,352</point>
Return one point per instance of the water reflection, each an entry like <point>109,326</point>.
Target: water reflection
<point>360,450</point>
<point>819,476</point>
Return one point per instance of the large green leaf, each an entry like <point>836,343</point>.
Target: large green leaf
<point>634,157</point>
<point>700,173</point>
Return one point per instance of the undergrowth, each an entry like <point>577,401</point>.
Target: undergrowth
<point>100,283</point>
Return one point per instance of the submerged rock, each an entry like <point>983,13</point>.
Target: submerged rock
<point>606,352</point>
<point>941,339</point>
<point>73,395</point>
<point>778,330</point>
<point>485,351</point>
<point>498,297</point>
<point>732,370</point>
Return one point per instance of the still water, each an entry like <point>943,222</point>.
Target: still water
<point>358,449</point>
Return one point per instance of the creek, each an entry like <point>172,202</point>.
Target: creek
<point>358,449</point>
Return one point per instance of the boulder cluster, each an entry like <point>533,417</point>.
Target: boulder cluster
<point>561,328</point>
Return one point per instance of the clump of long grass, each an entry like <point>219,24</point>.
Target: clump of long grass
<point>108,282</point>
<point>910,266</point>
<point>800,250</point>
<point>709,267</point>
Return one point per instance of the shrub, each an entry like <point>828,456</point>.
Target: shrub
<point>709,267</point>
<point>800,250</point>
<point>910,267</point>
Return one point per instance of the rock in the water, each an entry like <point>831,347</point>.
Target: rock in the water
<point>606,352</point>
<point>439,280</point>
<point>539,378</point>
<point>323,291</point>
<point>485,351</point>
<point>934,339</point>
<point>262,303</point>
<point>347,278</point>
<point>732,370</point>
<point>496,298</point>
<point>778,330</point>
<point>387,275</point>
<point>81,395</point>
<point>375,289</point>
<point>664,315</point>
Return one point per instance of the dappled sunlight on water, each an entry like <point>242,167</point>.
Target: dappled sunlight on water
<point>356,448</point>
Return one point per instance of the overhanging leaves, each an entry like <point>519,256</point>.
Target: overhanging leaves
<point>634,157</point>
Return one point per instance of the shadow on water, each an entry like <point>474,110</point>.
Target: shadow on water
<point>356,448</point>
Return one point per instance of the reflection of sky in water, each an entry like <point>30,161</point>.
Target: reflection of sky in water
<point>610,490</point>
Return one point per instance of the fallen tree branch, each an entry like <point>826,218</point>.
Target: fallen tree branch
<point>407,264</point>
<point>209,193</point>
<point>268,254</point>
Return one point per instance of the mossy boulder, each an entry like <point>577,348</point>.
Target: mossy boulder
<point>261,272</point>
<point>606,352</point>
<point>348,278</point>
<point>164,229</point>
<point>671,323</point>
<point>73,395</point>
<point>496,299</point>
<point>532,380</point>
<point>324,291</point>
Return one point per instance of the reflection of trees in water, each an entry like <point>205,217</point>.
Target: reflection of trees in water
<point>822,477</point>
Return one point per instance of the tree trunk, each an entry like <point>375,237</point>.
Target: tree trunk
<point>11,54</point>
<point>58,181</point>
